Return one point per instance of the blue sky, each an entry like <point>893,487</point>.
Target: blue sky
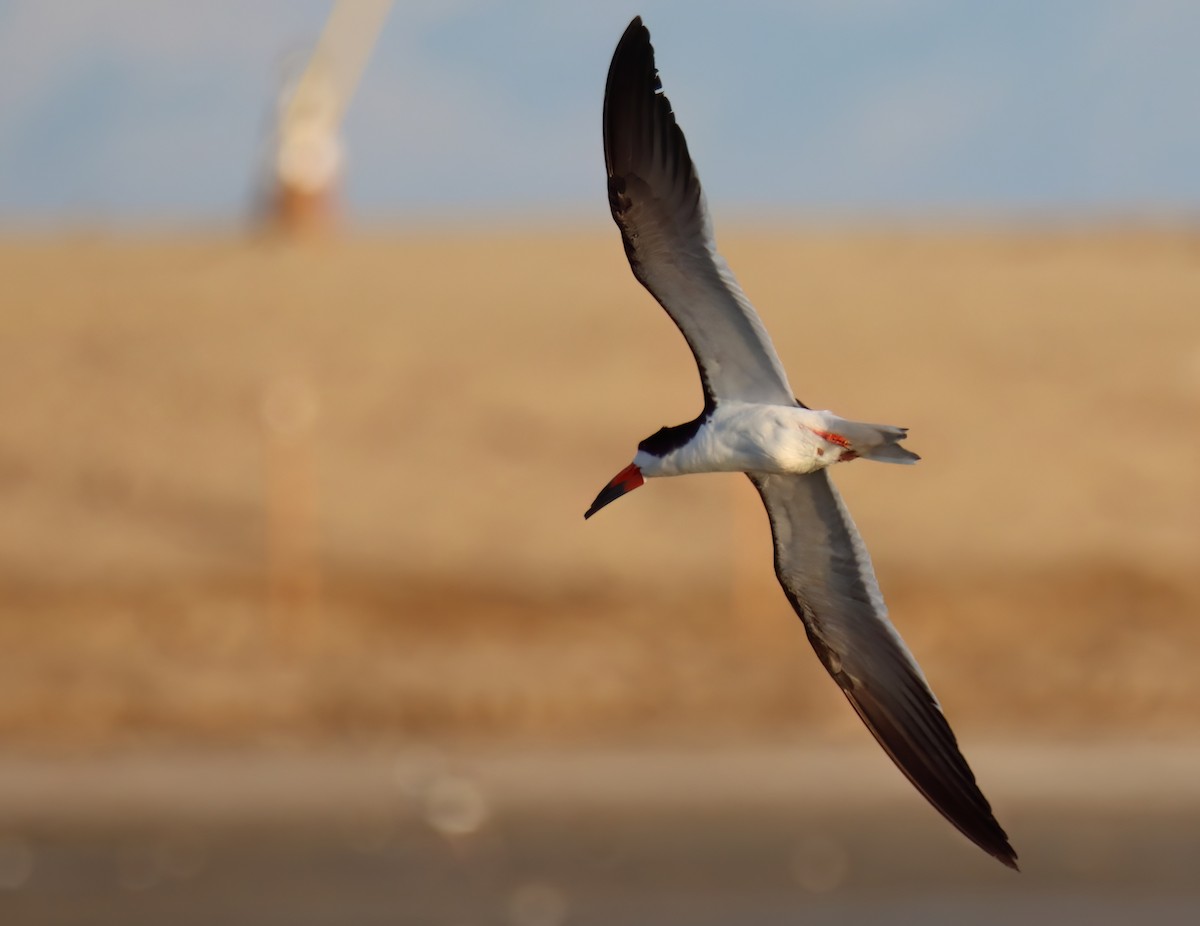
<point>130,111</point>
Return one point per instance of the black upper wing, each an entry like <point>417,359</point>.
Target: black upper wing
<point>825,571</point>
<point>657,203</point>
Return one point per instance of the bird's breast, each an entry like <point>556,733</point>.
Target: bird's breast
<point>740,437</point>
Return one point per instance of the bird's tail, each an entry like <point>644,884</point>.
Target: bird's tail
<point>879,442</point>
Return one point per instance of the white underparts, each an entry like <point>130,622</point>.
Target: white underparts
<point>747,437</point>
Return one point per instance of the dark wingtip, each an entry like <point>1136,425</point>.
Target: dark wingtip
<point>635,27</point>
<point>1001,849</point>
<point>632,77</point>
<point>995,843</point>
<point>1002,852</point>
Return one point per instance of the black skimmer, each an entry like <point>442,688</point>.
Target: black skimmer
<point>753,423</point>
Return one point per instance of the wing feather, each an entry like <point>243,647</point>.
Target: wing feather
<point>658,205</point>
<point>823,566</point>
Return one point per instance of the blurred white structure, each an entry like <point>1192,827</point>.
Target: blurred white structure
<point>308,157</point>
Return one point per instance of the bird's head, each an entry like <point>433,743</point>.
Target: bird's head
<point>658,455</point>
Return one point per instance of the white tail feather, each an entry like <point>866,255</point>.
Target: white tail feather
<point>880,442</point>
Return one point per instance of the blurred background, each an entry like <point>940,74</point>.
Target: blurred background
<point>317,340</point>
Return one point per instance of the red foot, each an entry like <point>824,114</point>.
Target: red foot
<point>833,438</point>
<point>847,454</point>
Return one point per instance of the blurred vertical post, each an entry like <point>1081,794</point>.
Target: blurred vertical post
<point>289,415</point>
<point>308,154</point>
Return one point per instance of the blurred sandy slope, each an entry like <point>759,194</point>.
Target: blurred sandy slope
<point>338,485</point>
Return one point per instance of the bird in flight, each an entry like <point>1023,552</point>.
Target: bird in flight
<point>752,423</point>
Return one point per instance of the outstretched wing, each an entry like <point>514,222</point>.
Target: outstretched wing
<point>657,203</point>
<point>825,571</point>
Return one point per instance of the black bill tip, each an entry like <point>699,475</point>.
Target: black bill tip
<point>625,481</point>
